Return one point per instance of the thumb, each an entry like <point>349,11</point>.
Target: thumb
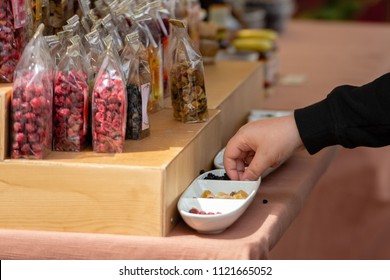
<point>254,170</point>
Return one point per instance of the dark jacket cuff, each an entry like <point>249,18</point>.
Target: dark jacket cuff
<point>315,126</point>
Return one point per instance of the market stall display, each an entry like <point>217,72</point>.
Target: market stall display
<point>151,163</point>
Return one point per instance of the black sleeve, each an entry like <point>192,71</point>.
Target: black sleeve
<point>350,116</point>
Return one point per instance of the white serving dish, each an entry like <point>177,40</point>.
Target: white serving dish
<point>231,209</point>
<point>218,163</point>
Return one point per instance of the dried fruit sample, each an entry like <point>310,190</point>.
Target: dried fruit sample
<point>109,105</point>
<point>222,195</point>
<point>137,72</point>
<point>11,41</point>
<point>194,210</point>
<point>137,120</point>
<point>211,176</point>
<point>186,80</point>
<point>70,111</point>
<point>31,101</point>
<point>30,115</point>
<point>188,93</point>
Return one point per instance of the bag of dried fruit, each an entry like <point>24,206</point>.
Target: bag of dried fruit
<point>31,101</point>
<point>152,41</point>
<point>161,18</point>
<point>186,79</point>
<point>109,105</point>
<point>136,69</point>
<point>71,92</point>
<point>13,19</point>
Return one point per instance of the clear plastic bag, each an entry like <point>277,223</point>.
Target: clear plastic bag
<point>161,17</point>
<point>119,17</point>
<point>186,79</point>
<point>152,41</point>
<point>112,29</point>
<point>136,69</point>
<point>11,38</point>
<point>109,105</point>
<point>31,101</point>
<point>95,49</point>
<point>71,94</point>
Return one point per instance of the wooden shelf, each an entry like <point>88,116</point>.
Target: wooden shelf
<point>134,192</point>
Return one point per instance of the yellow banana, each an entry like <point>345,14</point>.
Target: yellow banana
<point>257,33</point>
<point>250,44</point>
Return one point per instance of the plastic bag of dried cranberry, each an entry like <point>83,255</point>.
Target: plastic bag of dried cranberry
<point>109,106</point>
<point>11,37</point>
<point>71,92</point>
<point>31,101</point>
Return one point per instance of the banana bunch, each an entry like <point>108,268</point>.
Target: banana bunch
<point>267,34</point>
<point>259,40</point>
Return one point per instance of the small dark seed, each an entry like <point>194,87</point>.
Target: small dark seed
<point>265,201</point>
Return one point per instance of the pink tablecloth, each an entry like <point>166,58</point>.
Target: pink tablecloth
<point>252,237</point>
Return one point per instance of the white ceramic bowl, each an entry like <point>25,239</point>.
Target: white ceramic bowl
<point>231,209</point>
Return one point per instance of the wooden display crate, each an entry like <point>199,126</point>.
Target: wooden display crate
<point>135,192</point>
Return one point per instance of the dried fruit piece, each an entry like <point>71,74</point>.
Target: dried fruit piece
<point>207,194</point>
<point>194,211</point>
<point>239,195</point>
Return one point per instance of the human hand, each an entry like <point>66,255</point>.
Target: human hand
<point>260,145</point>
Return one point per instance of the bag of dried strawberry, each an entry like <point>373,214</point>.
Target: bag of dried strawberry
<point>109,105</point>
<point>71,92</point>
<point>31,101</point>
<point>186,79</point>
<point>138,85</point>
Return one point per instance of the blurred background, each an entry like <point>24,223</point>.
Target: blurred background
<point>267,13</point>
<point>360,10</point>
